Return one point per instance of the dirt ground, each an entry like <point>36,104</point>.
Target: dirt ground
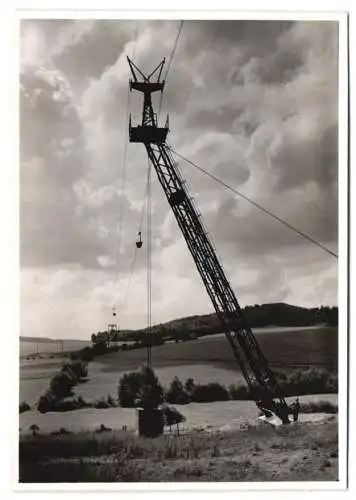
<point>299,452</point>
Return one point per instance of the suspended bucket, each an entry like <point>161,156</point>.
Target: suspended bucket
<point>139,241</point>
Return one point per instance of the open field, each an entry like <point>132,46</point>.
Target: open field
<point>220,415</point>
<point>102,382</point>
<point>35,348</point>
<point>299,452</point>
<point>208,359</point>
<point>287,348</point>
<point>214,444</point>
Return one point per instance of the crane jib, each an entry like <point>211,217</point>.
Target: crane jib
<point>261,381</point>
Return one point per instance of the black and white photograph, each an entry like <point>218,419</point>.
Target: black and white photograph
<point>182,191</point>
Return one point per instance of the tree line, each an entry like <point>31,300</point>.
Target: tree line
<point>189,328</point>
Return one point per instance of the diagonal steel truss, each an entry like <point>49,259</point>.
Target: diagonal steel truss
<point>254,366</point>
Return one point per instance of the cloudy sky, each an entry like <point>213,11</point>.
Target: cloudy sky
<point>255,103</point>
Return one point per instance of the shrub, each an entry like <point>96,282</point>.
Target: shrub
<point>99,348</point>
<point>189,386</point>
<point>101,404</point>
<point>239,392</point>
<point>129,387</point>
<point>176,393</point>
<point>86,354</point>
<point>46,402</point>
<point>24,407</point>
<point>62,432</point>
<point>69,404</point>
<point>103,428</point>
<point>61,387</point>
<point>152,393</point>
<point>209,392</point>
<point>110,401</point>
<point>318,407</point>
<point>62,383</point>
<point>35,429</point>
<point>137,345</point>
<point>76,369</point>
<point>311,381</point>
<point>69,372</point>
<point>332,384</point>
<point>172,416</point>
<point>140,389</point>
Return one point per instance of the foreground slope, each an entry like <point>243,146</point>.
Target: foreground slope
<point>299,452</point>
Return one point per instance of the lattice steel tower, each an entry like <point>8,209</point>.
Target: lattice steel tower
<point>253,364</point>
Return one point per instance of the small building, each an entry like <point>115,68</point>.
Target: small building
<point>150,422</point>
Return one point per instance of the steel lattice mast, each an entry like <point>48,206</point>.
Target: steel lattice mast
<point>254,366</point>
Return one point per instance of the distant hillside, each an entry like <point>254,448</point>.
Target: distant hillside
<point>36,339</point>
<point>257,316</point>
<point>47,339</point>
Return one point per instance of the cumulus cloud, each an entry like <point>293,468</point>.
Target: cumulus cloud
<point>255,103</point>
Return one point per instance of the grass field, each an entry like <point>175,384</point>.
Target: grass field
<point>218,449</point>
<point>283,348</point>
<point>38,348</point>
<point>213,416</point>
<point>301,452</point>
<point>208,359</point>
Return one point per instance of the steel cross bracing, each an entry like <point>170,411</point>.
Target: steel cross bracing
<point>253,363</point>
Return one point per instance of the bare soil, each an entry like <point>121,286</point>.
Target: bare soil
<point>299,452</point>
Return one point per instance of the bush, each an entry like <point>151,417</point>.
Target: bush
<point>69,404</point>
<point>189,386</point>
<point>110,401</point>
<point>152,393</point>
<point>129,388</point>
<point>101,404</point>
<point>103,428</point>
<point>172,416</point>
<point>138,345</point>
<point>86,354</point>
<point>69,372</point>
<point>77,369</point>
<point>62,432</point>
<point>46,402</point>
<point>35,429</point>
<point>311,381</point>
<point>319,407</point>
<point>239,392</point>
<point>209,393</point>
<point>99,348</point>
<point>62,384</point>
<point>140,389</point>
<point>61,387</point>
<point>176,393</point>
<point>24,407</point>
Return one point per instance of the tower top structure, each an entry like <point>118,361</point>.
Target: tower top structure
<point>148,132</point>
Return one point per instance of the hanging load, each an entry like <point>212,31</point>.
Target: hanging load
<point>139,240</point>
